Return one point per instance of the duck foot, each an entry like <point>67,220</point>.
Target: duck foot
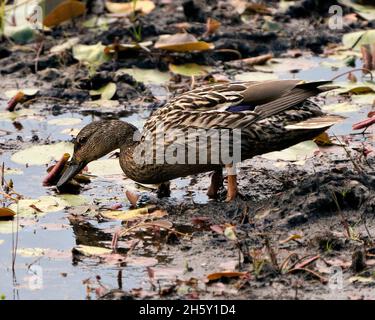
<point>216,184</point>
<point>164,190</point>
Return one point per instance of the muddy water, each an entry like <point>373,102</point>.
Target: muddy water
<point>58,274</point>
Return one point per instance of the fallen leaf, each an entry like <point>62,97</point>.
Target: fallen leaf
<point>125,215</point>
<point>189,69</point>
<point>91,250</point>
<point>355,40</point>
<point>300,151</point>
<point>6,213</point>
<point>290,238</point>
<point>143,6</point>
<point>66,10</point>
<point>323,139</point>
<point>182,42</point>
<point>91,54</point>
<point>218,229</point>
<point>230,233</point>
<point>225,274</point>
<point>66,45</point>
<point>212,26</point>
<point>106,92</point>
<point>365,11</point>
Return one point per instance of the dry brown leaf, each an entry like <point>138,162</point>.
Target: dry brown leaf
<point>290,238</point>
<point>225,274</point>
<point>143,6</point>
<point>182,42</point>
<point>6,213</point>
<point>64,11</point>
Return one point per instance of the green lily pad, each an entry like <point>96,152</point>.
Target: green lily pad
<point>147,76</point>
<point>22,113</point>
<point>105,167</point>
<point>359,38</point>
<point>46,204</point>
<point>106,92</point>
<point>189,69</point>
<point>364,98</point>
<point>300,151</point>
<point>91,54</point>
<point>43,154</point>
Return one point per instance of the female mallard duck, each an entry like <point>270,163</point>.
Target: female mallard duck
<point>268,116</point>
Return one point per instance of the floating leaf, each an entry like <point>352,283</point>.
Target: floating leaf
<point>225,274</point>
<point>357,39</point>
<point>124,215</point>
<point>6,213</point>
<point>46,204</point>
<point>105,167</point>
<point>91,251</point>
<point>65,121</point>
<point>91,54</point>
<point>300,151</point>
<point>342,107</point>
<point>66,10</point>
<point>323,139</point>
<point>143,6</point>
<point>39,155</point>
<point>147,76</point>
<point>182,42</point>
<point>106,92</point>
<point>189,69</point>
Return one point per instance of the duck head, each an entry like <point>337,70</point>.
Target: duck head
<point>95,141</point>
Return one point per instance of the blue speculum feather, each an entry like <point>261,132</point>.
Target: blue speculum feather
<point>240,108</point>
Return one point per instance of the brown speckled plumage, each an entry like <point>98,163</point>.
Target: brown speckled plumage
<point>274,105</point>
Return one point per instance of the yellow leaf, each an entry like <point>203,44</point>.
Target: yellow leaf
<point>64,11</point>
<point>189,69</point>
<point>91,251</point>
<point>125,215</point>
<point>144,6</point>
<point>291,237</point>
<point>323,139</point>
<point>182,42</point>
<point>6,213</point>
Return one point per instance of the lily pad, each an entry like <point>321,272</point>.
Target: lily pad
<point>147,76</point>
<point>46,204</point>
<point>143,6</point>
<point>65,121</point>
<point>189,69</point>
<point>343,107</point>
<point>300,151</point>
<point>357,39</point>
<point>106,92</point>
<point>91,54</point>
<point>105,167</point>
<point>43,154</point>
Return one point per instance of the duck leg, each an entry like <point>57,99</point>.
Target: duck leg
<point>164,190</point>
<point>232,183</point>
<point>216,184</point>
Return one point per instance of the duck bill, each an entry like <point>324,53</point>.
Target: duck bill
<point>70,172</point>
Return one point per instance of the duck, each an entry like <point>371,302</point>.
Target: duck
<point>207,129</point>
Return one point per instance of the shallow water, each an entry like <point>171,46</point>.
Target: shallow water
<point>60,275</point>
